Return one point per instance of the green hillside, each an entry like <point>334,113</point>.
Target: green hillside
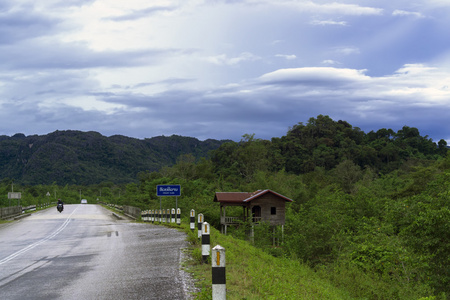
<point>75,157</point>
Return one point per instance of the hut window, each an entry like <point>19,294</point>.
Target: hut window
<point>273,210</point>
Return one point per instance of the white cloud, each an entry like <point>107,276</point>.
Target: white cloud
<point>223,59</point>
<point>286,56</point>
<point>398,12</point>
<point>330,62</point>
<point>328,22</point>
<point>333,8</point>
<point>314,75</point>
<point>346,50</point>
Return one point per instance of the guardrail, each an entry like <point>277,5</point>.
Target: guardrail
<point>12,212</point>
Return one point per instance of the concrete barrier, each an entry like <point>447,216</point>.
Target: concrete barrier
<point>10,212</point>
<point>131,211</point>
<point>117,216</point>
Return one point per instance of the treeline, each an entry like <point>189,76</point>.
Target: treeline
<point>370,213</point>
<point>324,143</point>
<point>83,158</point>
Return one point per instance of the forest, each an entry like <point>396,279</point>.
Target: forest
<point>370,211</point>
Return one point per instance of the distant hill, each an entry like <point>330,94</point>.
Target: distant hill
<point>76,157</point>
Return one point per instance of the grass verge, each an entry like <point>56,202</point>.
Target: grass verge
<point>254,274</point>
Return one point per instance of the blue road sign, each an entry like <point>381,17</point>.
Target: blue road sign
<point>168,190</point>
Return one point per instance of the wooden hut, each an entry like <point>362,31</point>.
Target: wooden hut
<point>260,206</point>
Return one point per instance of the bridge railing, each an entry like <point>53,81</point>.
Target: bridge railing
<point>10,212</point>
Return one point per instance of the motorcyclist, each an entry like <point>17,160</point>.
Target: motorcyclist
<point>60,203</point>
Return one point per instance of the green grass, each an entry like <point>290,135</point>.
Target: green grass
<point>254,274</point>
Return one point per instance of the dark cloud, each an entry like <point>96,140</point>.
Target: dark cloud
<point>48,55</point>
<point>24,23</point>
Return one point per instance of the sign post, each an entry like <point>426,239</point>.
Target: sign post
<point>164,190</point>
<point>14,195</point>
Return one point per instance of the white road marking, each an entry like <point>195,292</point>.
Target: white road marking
<point>29,247</point>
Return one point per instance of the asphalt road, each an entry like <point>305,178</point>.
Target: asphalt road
<point>85,253</point>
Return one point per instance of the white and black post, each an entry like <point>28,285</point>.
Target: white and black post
<point>178,216</point>
<point>192,220</point>
<point>169,216</point>
<point>173,215</point>
<point>219,290</point>
<point>199,225</point>
<point>205,242</point>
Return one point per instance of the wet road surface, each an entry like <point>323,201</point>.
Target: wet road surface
<point>85,253</point>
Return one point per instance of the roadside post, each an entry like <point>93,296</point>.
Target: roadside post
<point>199,225</point>
<point>192,220</point>
<point>205,242</point>
<point>219,289</point>
<point>178,216</point>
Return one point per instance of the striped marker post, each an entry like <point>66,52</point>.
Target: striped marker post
<point>164,216</point>
<point>178,216</point>
<point>219,287</point>
<point>169,215</point>
<point>160,216</point>
<point>173,215</point>
<point>152,215</point>
<point>192,224</point>
<point>205,242</point>
<point>199,225</point>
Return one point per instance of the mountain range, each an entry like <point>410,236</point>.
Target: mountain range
<point>76,157</point>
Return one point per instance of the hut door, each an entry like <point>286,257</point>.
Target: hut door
<point>256,212</point>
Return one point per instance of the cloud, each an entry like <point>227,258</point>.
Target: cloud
<point>334,8</point>
<point>314,75</point>
<point>401,13</point>
<point>330,62</point>
<point>223,59</point>
<point>219,69</point>
<point>346,50</point>
<point>24,23</point>
<point>142,13</point>
<point>286,56</point>
<point>329,22</point>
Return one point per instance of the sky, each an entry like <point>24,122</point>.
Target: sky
<point>220,69</point>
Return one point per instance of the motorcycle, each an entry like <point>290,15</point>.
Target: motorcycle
<point>60,207</point>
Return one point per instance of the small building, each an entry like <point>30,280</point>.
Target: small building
<point>260,206</point>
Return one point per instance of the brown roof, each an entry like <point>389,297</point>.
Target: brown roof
<point>243,197</point>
